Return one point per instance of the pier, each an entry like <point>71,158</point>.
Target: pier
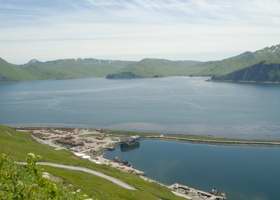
<point>194,194</point>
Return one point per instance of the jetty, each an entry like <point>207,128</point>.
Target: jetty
<point>195,194</point>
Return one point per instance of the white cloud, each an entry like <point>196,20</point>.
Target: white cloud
<point>179,29</point>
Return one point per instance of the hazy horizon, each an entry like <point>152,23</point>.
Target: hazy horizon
<point>132,30</point>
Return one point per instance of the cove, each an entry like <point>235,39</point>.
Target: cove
<point>243,172</point>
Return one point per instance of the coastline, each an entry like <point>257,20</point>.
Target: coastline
<point>90,144</point>
<point>200,139</point>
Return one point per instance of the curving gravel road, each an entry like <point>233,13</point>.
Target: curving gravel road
<point>88,171</point>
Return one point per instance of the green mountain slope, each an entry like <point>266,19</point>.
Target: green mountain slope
<point>73,68</point>
<point>160,67</point>
<point>269,54</point>
<point>12,72</point>
<point>261,72</point>
<point>60,69</point>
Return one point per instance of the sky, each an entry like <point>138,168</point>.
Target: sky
<point>136,29</point>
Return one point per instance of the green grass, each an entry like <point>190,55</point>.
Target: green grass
<point>18,144</point>
<point>28,183</point>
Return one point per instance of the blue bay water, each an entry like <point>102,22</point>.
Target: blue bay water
<point>173,105</point>
<point>243,172</point>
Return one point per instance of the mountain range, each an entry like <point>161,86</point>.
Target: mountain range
<point>149,67</point>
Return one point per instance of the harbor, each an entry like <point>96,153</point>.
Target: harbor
<point>208,166</point>
<point>91,144</point>
<point>85,143</point>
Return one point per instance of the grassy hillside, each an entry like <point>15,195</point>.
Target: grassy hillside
<point>29,183</point>
<point>153,67</point>
<point>12,72</point>
<point>60,69</point>
<point>17,145</point>
<point>73,68</point>
<point>269,54</point>
<point>81,68</point>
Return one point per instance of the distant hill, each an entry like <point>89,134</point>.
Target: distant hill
<point>12,72</point>
<point>60,69</point>
<point>82,68</point>
<point>222,67</point>
<point>160,67</point>
<point>261,72</point>
<point>73,68</point>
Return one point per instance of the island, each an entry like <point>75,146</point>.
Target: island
<point>123,75</point>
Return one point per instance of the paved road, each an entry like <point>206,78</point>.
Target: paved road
<point>88,171</point>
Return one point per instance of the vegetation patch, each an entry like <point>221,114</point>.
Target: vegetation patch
<point>27,182</point>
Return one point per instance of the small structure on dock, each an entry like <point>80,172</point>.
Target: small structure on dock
<point>194,194</point>
<point>130,140</point>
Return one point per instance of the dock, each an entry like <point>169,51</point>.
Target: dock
<point>195,194</point>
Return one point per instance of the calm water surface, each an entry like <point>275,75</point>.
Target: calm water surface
<point>244,173</point>
<point>174,105</point>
